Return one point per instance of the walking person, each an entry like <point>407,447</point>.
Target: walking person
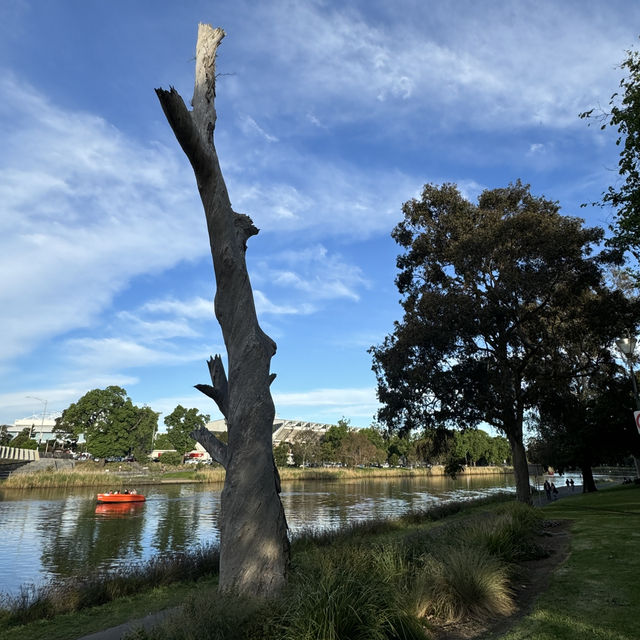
<point>547,489</point>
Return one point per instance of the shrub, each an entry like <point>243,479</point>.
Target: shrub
<point>465,582</point>
<point>507,533</point>
<point>171,457</point>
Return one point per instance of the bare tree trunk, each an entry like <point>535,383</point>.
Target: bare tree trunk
<point>254,546</point>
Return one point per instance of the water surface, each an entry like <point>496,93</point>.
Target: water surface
<point>46,534</point>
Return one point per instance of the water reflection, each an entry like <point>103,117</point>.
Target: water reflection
<point>57,533</point>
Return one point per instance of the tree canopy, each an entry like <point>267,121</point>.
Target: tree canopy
<point>111,424</point>
<point>484,289</point>
<point>181,423</point>
<point>624,116</point>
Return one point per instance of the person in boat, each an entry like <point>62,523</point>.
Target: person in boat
<point>126,492</point>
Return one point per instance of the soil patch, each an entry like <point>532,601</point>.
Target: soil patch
<point>555,541</point>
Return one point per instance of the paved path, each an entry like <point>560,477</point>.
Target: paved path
<point>116,633</point>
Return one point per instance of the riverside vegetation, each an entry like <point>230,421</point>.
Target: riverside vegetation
<point>402,578</point>
<point>413,577</point>
<point>119,475</point>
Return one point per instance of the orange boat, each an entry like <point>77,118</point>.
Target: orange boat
<point>118,509</point>
<point>120,497</point>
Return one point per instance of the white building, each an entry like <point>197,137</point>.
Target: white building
<point>42,426</point>
<point>283,430</point>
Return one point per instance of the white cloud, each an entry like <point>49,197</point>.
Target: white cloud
<point>112,354</point>
<point>265,306</point>
<point>250,126</point>
<point>489,66</point>
<point>314,272</point>
<point>83,211</point>
<point>194,308</point>
<point>332,403</point>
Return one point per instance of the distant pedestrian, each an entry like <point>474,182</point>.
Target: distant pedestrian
<point>568,483</point>
<point>572,483</point>
<point>547,489</point>
<point>554,491</point>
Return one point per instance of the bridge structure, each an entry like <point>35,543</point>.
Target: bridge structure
<point>14,454</point>
<point>11,458</point>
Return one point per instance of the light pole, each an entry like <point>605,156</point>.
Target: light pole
<point>44,411</point>
<point>627,347</point>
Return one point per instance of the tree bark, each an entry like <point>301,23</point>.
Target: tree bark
<point>520,465</point>
<point>588,483</point>
<point>254,545</point>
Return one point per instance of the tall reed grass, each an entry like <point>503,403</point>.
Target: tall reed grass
<point>84,591</point>
<point>91,475</point>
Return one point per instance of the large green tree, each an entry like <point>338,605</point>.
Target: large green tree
<point>483,288</point>
<point>624,116</point>
<point>584,416</point>
<point>181,423</point>
<point>23,440</point>
<point>5,436</point>
<point>111,424</point>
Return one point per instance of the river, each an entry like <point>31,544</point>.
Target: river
<point>46,534</point>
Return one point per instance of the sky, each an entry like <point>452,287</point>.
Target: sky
<point>331,115</point>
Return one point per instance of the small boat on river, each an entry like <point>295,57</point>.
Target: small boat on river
<point>120,497</point>
<point>118,509</point>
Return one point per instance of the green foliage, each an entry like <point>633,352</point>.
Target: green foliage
<point>5,436</point>
<point>509,533</point>
<point>464,583</point>
<point>306,448</point>
<point>453,467</point>
<point>281,454</point>
<point>162,441</point>
<point>82,592</point>
<point>484,287</point>
<point>357,449</point>
<point>332,439</point>
<point>181,423</point>
<point>112,425</point>
<point>172,458</point>
<point>624,116</point>
<point>23,440</point>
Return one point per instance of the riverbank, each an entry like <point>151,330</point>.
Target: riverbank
<point>554,601</point>
<point>122,475</point>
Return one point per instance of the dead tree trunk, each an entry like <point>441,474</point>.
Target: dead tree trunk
<point>254,547</point>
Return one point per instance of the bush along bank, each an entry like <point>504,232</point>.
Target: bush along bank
<point>90,474</point>
<point>404,578</point>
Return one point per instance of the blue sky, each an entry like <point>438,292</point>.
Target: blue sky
<point>330,116</point>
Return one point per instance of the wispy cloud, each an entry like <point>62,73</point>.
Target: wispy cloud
<point>117,354</point>
<point>192,308</point>
<point>420,57</point>
<point>84,210</point>
<point>335,403</point>
<point>315,272</point>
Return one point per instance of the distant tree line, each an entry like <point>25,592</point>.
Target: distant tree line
<point>110,425</point>
<point>351,447</point>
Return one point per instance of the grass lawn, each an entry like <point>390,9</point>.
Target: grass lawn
<point>596,593</point>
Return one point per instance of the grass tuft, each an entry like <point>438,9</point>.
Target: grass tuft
<point>464,583</point>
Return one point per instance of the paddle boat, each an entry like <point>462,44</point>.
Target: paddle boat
<point>120,496</point>
<point>118,509</point>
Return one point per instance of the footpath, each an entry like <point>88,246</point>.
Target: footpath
<point>116,633</point>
